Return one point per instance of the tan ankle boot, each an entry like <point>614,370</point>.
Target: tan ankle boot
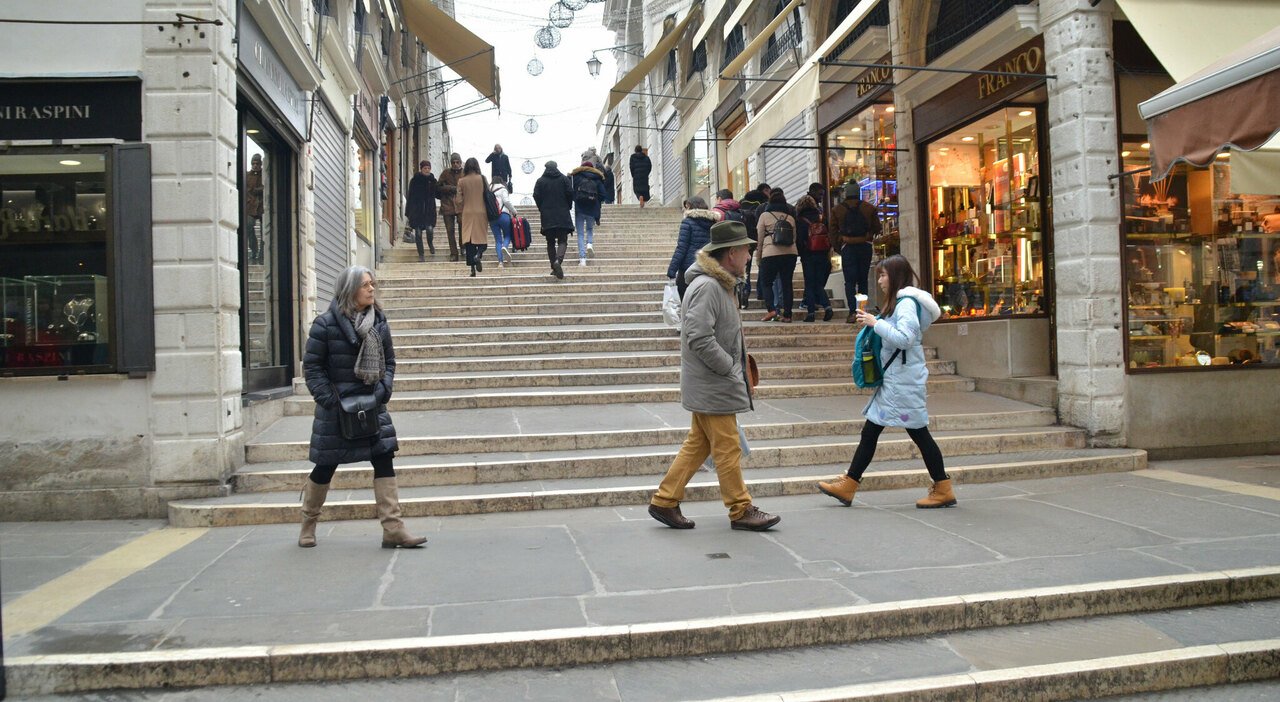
<point>842,488</point>
<point>940,495</point>
<point>313,495</point>
<point>393,531</point>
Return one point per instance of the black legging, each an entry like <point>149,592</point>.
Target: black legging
<point>556,245</point>
<point>381,469</point>
<point>924,441</point>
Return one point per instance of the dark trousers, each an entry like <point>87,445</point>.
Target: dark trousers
<point>773,268</point>
<point>430,233</point>
<point>681,285</point>
<point>816,268</point>
<point>855,260</point>
<point>474,252</point>
<point>381,469</point>
<point>452,226</point>
<point>556,245</point>
<point>929,451</point>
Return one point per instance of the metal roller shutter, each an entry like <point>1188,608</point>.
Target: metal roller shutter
<point>329,175</point>
<point>672,190</point>
<point>789,168</point>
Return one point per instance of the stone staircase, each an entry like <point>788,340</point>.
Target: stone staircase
<point>520,394</point>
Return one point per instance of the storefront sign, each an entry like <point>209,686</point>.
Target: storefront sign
<point>865,89</point>
<point>262,62</point>
<point>980,93</point>
<point>71,109</point>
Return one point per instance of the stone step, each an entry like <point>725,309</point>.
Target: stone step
<point>244,509</point>
<point>401,288</point>
<point>747,656</point>
<point>755,332</point>
<point>614,394</point>
<point>516,295</point>
<point>615,359</point>
<point>550,319</point>
<point>407,348</point>
<point>544,305</point>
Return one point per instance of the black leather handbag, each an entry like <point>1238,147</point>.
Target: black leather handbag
<point>359,417</point>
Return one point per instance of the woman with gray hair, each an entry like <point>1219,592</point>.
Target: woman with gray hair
<point>349,354</point>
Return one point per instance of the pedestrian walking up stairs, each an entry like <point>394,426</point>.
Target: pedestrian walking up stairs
<point>535,417</point>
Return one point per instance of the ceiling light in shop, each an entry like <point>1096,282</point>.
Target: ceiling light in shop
<point>1023,140</point>
<point>1025,113</point>
<point>856,129</point>
<point>1221,155</point>
<point>1146,145</point>
<point>889,108</point>
<point>944,150</point>
<point>69,162</point>
<point>250,131</point>
<point>839,137</point>
<point>967,138</point>
<point>1125,154</point>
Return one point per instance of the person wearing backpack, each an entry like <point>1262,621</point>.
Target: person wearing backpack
<point>814,244</point>
<point>750,207</point>
<point>588,193</point>
<point>776,227</point>
<point>900,399</point>
<point>857,223</point>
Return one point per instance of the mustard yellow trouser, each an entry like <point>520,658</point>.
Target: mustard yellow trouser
<point>715,435</point>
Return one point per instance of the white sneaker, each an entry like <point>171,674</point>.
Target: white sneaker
<point>582,263</point>
<point>506,252</point>
<point>590,250</point>
<point>501,264</point>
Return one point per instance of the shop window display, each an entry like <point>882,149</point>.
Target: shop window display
<point>55,287</point>
<point>862,151</point>
<point>1202,267</point>
<point>985,213</point>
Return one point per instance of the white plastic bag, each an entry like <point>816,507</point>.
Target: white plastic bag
<point>671,306</point>
<point>709,465</point>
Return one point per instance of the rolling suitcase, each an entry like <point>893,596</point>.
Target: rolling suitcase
<point>520,234</point>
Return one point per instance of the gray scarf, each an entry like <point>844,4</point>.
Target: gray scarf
<point>370,365</point>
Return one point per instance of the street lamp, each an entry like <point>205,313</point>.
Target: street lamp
<point>593,63</point>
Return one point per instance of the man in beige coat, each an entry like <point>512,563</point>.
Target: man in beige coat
<point>447,191</point>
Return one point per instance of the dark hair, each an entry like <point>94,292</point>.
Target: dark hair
<point>471,166</point>
<point>727,194</point>
<point>696,202</point>
<point>777,197</point>
<point>639,148</point>
<point>423,163</point>
<point>900,273</point>
<point>815,187</point>
<point>763,186</point>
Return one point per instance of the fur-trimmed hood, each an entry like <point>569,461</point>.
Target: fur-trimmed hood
<point>708,266</point>
<point>586,169</point>
<point>927,304</point>
<point>710,215</point>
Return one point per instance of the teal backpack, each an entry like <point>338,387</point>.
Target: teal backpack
<point>867,370</point>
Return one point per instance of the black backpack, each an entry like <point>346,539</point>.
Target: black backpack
<point>585,189</point>
<point>854,224</point>
<point>782,231</point>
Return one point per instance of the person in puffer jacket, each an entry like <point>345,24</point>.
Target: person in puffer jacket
<point>900,400</point>
<point>695,232</point>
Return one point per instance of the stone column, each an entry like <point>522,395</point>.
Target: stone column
<point>1083,146</point>
<point>190,121</point>
<point>911,195</point>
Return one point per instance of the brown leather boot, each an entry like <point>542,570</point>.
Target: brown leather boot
<point>671,517</point>
<point>393,531</point>
<point>313,495</point>
<point>940,495</point>
<point>842,487</point>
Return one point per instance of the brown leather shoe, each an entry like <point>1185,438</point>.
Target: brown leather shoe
<point>940,495</point>
<point>843,488</point>
<point>755,520</point>
<point>670,516</point>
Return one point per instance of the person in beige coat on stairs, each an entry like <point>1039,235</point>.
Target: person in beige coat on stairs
<point>349,354</point>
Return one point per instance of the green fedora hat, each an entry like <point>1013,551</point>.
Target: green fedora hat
<point>726,234</point>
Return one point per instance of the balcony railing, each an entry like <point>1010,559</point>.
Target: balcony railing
<point>734,44</point>
<point>781,43</point>
<point>960,19</point>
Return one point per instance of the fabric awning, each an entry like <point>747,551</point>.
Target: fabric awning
<point>710,11</point>
<point>691,122</point>
<point>760,40</point>
<point>1234,102</point>
<point>633,77</point>
<point>735,18</point>
<point>1187,35</point>
<point>463,52</point>
<point>796,95</point>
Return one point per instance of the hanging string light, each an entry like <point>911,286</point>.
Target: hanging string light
<point>527,166</point>
<point>574,5</point>
<point>560,16</point>
<point>531,125</point>
<point>535,67</point>
<point>547,38</point>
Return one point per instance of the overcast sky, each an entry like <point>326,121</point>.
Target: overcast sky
<point>565,100</point>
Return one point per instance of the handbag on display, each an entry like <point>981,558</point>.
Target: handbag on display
<point>358,418</point>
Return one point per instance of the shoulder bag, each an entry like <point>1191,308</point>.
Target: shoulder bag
<point>358,418</point>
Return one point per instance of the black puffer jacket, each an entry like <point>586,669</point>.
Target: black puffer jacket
<point>329,364</point>
<point>553,193</point>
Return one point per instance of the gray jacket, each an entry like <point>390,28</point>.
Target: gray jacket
<point>712,350</point>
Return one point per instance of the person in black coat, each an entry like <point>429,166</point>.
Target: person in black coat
<point>588,194</point>
<point>553,194</point>
<point>349,354</point>
<point>641,167</point>
<point>501,168</point>
<point>609,187</point>
<point>420,207</point>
